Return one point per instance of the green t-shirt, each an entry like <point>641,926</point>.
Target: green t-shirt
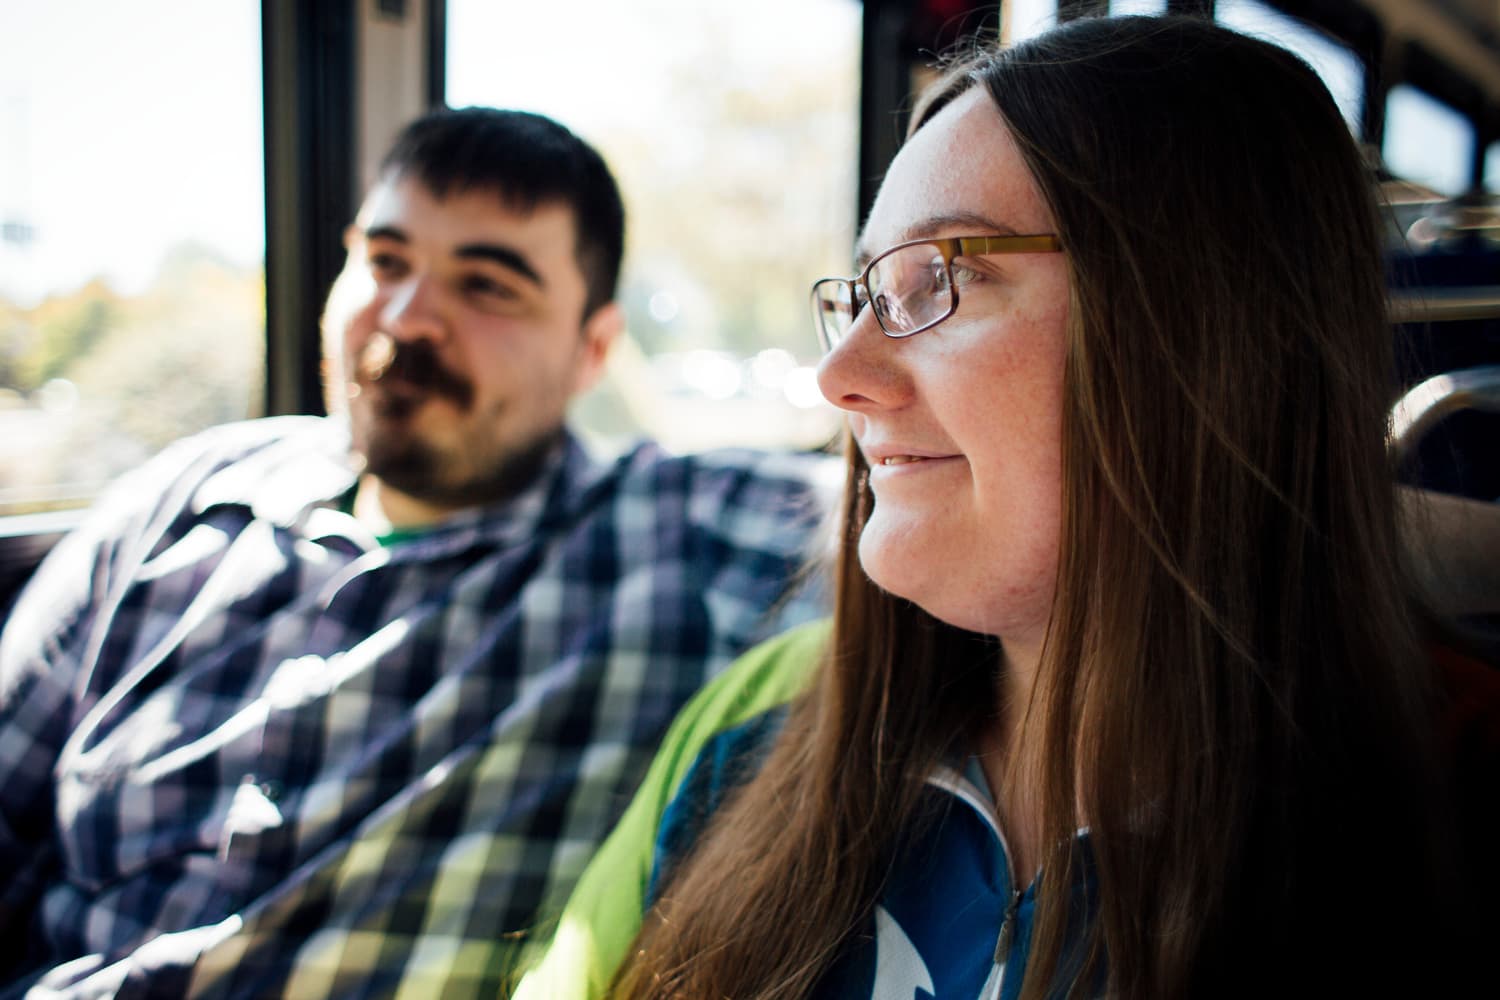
<point>384,539</point>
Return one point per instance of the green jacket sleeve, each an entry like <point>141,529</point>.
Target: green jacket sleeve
<point>604,912</point>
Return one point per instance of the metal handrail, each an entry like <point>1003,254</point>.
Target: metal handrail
<point>1429,401</point>
<point>1438,305</point>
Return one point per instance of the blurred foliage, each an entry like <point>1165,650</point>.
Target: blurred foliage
<point>58,332</point>
<point>93,381</point>
<point>741,192</point>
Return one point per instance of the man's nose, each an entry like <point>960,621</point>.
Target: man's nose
<point>412,310</point>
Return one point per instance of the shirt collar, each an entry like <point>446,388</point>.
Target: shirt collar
<point>298,479</point>
<point>306,466</point>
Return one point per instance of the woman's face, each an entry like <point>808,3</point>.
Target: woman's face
<point>961,424</point>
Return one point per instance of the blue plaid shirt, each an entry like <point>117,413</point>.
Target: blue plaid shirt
<point>245,750</point>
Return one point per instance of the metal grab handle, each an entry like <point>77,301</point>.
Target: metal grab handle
<point>1429,401</point>
<point>1444,305</point>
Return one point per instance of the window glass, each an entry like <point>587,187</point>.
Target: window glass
<point>1492,167</point>
<point>1122,7</point>
<point>1024,18</point>
<point>131,235</point>
<point>733,132</point>
<point>1340,69</point>
<point>1427,141</point>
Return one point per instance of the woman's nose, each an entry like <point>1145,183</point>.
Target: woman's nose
<point>863,371</point>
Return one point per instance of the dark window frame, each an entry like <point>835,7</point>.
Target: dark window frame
<point>308,53</point>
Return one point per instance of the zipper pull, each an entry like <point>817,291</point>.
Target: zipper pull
<point>1007,929</point>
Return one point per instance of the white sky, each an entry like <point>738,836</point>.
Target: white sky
<point>1427,141</point>
<point>126,128</point>
<point>516,55</point>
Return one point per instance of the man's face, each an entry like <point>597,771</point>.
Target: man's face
<point>455,338</point>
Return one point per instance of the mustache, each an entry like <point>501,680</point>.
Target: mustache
<point>413,363</point>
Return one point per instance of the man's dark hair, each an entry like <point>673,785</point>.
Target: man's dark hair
<point>528,160</point>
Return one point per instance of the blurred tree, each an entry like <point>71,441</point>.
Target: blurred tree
<point>64,329</point>
<point>15,339</point>
<point>748,179</point>
<point>186,355</point>
<point>140,372</point>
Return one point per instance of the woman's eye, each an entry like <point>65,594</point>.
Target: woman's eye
<point>963,275</point>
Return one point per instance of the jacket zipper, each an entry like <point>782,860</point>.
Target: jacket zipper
<point>1002,945</point>
<point>954,784</point>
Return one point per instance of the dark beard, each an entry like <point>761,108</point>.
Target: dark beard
<point>403,372</point>
<point>411,466</point>
<point>397,378</point>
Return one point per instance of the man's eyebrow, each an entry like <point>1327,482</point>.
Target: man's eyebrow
<point>495,253</point>
<point>386,233</point>
<point>956,223</point>
<point>504,256</point>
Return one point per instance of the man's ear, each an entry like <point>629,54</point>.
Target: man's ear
<point>599,333</point>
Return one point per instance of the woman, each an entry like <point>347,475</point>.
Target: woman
<point>1124,691</point>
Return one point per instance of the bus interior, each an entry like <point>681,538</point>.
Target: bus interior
<point>114,118</point>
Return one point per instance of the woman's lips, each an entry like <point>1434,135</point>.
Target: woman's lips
<point>892,463</point>
<point>896,455</point>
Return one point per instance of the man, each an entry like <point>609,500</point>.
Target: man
<point>337,707</point>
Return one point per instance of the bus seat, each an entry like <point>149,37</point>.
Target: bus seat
<point>1443,279</point>
<point>1453,540</point>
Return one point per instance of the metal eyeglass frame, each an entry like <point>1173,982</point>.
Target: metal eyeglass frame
<point>948,248</point>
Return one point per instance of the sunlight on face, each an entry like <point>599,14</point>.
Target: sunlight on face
<point>456,337</point>
<point>961,424</point>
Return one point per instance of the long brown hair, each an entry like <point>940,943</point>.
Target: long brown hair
<point>1233,695</point>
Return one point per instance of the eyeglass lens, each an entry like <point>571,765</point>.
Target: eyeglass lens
<point>909,289</point>
<point>835,309</point>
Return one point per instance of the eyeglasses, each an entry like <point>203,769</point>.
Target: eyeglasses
<point>911,286</point>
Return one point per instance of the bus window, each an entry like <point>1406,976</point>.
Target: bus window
<point>131,236</point>
<point>1024,18</point>
<point>1426,141</point>
<point>1340,69</point>
<point>1492,167</point>
<point>732,130</point>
